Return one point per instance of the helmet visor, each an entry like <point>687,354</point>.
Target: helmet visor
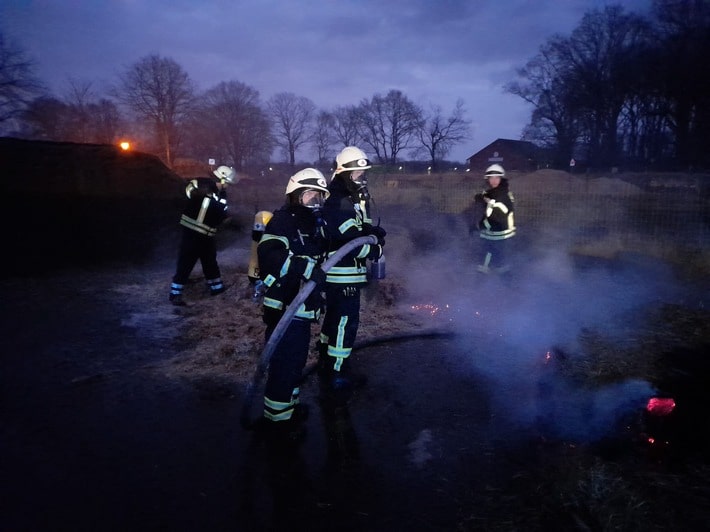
<point>313,199</point>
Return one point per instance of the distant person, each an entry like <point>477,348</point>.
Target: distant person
<point>205,209</point>
<point>494,219</point>
<point>347,216</point>
<point>290,253</point>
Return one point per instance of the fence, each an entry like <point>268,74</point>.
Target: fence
<point>666,215</point>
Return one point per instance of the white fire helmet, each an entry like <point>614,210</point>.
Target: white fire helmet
<point>226,173</point>
<point>349,159</point>
<point>495,170</point>
<point>308,179</point>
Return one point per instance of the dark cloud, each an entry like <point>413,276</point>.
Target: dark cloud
<point>335,53</point>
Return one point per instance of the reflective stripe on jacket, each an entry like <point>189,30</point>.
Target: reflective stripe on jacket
<point>206,207</point>
<point>344,221</point>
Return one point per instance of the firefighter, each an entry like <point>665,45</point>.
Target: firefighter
<point>495,221</point>
<point>290,253</point>
<point>347,216</point>
<point>205,209</point>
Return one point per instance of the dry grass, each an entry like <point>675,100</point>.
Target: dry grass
<point>558,486</point>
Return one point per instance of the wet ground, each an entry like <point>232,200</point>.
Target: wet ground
<point>94,439</point>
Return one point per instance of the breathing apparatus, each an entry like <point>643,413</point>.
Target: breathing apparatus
<point>309,189</point>
<point>261,218</point>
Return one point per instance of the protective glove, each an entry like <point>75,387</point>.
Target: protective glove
<point>375,252</point>
<point>318,276</point>
<point>376,230</point>
<point>315,301</point>
<point>298,266</point>
<point>380,233</point>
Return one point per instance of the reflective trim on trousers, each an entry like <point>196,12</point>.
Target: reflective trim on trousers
<point>176,289</point>
<point>277,410</point>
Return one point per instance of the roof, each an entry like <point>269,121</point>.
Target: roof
<point>523,147</point>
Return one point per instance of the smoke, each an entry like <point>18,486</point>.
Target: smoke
<point>512,328</point>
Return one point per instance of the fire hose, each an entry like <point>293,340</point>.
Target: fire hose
<point>282,325</point>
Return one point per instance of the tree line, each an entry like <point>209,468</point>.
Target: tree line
<point>623,89</point>
<point>157,101</point>
<point>620,90</point>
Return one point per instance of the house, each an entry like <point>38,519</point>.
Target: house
<point>513,155</point>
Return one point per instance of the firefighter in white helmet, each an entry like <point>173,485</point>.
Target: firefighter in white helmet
<point>205,210</point>
<point>495,221</point>
<point>290,253</point>
<point>347,216</point>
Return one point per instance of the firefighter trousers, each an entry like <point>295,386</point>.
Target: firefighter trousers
<point>287,362</point>
<point>193,247</point>
<point>340,324</point>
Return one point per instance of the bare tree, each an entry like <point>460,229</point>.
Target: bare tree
<point>292,116</point>
<point>79,117</point>
<point>158,90</point>
<point>683,78</point>
<point>78,99</point>
<point>438,134</point>
<point>44,118</point>
<point>18,84</point>
<point>323,137</point>
<point>603,51</point>
<point>581,84</point>
<point>555,121</point>
<point>346,125</point>
<point>229,124</point>
<point>389,124</point>
<point>106,121</point>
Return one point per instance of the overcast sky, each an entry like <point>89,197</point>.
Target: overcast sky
<point>333,52</point>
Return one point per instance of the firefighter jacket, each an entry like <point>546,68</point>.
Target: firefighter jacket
<point>346,219</point>
<point>292,246</point>
<point>206,206</point>
<point>498,222</point>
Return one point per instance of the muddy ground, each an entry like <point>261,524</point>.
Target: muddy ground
<point>121,412</point>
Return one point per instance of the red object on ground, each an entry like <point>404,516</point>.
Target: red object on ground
<point>660,406</point>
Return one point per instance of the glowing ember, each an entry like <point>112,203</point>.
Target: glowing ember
<point>428,307</point>
<point>660,406</point>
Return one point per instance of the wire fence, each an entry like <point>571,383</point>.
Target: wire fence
<point>666,215</point>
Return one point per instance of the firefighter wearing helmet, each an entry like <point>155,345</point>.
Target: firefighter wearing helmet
<point>290,253</point>
<point>205,209</point>
<point>495,221</point>
<point>347,216</point>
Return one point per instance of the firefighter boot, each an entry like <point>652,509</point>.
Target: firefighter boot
<point>216,286</point>
<point>176,294</point>
<point>337,386</point>
<point>281,433</point>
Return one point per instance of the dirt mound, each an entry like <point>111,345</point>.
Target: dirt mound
<point>79,204</point>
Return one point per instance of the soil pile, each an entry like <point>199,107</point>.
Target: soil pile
<point>81,204</point>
